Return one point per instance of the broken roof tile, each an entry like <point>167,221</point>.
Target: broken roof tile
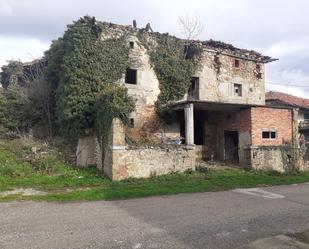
<point>287,99</point>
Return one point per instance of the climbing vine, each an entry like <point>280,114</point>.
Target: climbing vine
<point>90,67</point>
<point>175,61</point>
<point>113,103</point>
<point>12,73</point>
<point>83,66</point>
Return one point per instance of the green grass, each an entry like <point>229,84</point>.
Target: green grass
<point>45,169</point>
<point>50,173</point>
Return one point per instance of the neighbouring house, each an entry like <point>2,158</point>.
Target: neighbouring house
<point>280,99</point>
<point>222,117</point>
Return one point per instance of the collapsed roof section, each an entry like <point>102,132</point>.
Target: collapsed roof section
<point>212,45</point>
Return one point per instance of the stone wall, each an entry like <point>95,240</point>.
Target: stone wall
<point>276,158</point>
<point>144,162</point>
<point>218,75</point>
<point>303,159</point>
<point>85,151</point>
<point>122,161</point>
<point>147,126</point>
<point>279,158</point>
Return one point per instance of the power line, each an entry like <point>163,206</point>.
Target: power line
<point>287,84</point>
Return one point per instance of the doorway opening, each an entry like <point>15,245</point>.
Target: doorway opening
<point>231,146</point>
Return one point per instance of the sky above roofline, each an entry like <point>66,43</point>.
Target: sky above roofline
<point>278,28</point>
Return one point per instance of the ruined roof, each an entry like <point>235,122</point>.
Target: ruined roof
<point>287,99</point>
<point>217,46</point>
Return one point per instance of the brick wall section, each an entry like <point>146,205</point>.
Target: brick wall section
<point>240,122</point>
<point>279,120</point>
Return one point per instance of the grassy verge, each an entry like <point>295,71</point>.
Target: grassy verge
<point>27,164</point>
<point>50,173</point>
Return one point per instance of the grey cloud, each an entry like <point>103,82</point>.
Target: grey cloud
<point>250,24</point>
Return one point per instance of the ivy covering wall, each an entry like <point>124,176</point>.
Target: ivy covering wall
<point>175,61</point>
<point>78,81</point>
<point>89,67</point>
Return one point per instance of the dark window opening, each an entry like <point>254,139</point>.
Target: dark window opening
<point>306,115</point>
<point>194,88</point>
<point>194,82</point>
<point>131,122</point>
<point>269,135</point>
<point>236,63</point>
<point>131,44</point>
<point>199,131</point>
<point>237,90</point>
<point>131,76</point>
<point>258,72</point>
<point>183,129</point>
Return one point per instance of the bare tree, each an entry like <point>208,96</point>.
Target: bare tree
<point>40,94</point>
<point>191,26</point>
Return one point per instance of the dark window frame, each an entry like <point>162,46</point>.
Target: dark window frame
<point>237,63</point>
<point>131,76</point>
<point>269,135</point>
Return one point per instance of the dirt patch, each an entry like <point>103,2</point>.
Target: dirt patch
<point>23,192</point>
<point>35,192</point>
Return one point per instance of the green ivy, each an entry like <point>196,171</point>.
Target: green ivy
<point>89,67</point>
<point>175,62</point>
<point>12,73</point>
<point>14,115</point>
<point>113,103</point>
<point>82,69</point>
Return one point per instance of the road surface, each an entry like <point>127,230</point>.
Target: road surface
<point>228,219</point>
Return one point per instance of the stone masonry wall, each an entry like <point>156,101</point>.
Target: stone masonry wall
<point>122,161</point>
<point>144,162</point>
<point>218,75</point>
<point>85,151</point>
<point>276,158</point>
<point>147,126</point>
<point>279,158</point>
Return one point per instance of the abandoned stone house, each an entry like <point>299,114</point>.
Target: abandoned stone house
<point>223,118</point>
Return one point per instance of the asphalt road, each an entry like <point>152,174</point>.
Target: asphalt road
<point>228,219</point>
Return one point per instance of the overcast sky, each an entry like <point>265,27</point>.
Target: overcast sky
<point>278,28</point>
